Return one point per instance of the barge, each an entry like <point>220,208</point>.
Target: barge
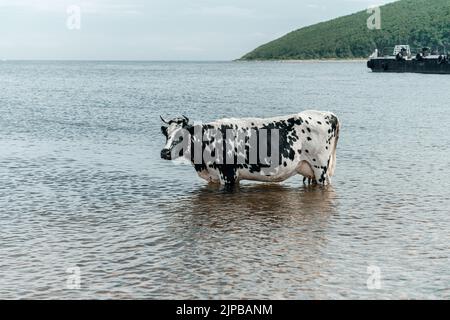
<point>403,60</point>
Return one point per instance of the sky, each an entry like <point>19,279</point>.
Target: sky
<point>155,29</point>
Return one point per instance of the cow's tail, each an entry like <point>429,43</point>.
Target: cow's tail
<point>332,166</point>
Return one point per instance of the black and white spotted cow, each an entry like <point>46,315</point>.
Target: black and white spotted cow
<point>268,150</point>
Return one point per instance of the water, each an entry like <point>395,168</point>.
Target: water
<point>82,185</point>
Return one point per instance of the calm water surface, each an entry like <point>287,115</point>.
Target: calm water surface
<point>82,185</point>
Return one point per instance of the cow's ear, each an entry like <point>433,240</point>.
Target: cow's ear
<point>164,130</point>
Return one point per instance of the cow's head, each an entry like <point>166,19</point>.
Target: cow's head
<point>176,132</point>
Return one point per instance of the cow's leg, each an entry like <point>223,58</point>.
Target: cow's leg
<point>321,175</point>
<point>311,181</point>
<point>228,176</point>
<point>210,176</point>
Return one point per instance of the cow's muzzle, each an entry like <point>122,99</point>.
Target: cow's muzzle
<point>166,154</point>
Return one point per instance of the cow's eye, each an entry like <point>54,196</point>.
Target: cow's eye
<point>164,131</point>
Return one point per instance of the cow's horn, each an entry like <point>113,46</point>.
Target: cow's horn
<point>187,119</point>
<point>163,120</point>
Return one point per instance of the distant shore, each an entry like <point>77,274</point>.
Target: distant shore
<point>305,60</point>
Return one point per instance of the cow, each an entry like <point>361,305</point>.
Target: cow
<point>227,151</point>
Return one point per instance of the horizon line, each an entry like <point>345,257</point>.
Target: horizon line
<point>118,60</point>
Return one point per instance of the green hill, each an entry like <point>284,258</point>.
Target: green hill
<point>415,22</point>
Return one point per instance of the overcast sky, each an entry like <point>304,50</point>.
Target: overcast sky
<point>156,29</point>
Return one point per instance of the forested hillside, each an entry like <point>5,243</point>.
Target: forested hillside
<point>415,22</point>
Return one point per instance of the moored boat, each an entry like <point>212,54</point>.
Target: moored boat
<point>403,60</point>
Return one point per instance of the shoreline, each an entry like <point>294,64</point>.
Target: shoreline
<point>306,60</point>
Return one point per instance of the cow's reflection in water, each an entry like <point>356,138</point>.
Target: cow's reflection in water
<point>271,200</point>
<point>259,206</point>
<point>255,239</point>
